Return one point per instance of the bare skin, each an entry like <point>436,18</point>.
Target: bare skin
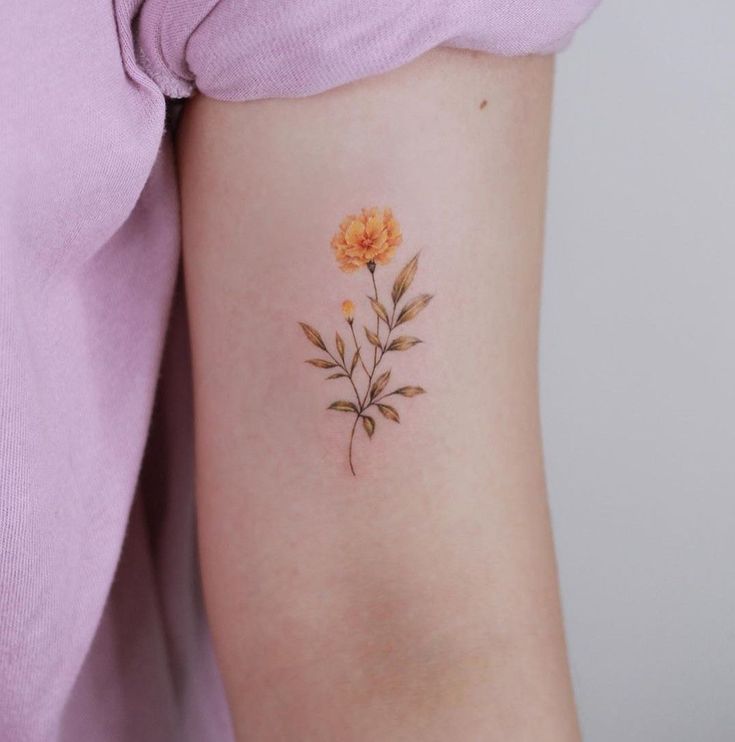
<point>417,600</point>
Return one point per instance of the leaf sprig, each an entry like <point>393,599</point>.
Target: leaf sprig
<point>373,383</point>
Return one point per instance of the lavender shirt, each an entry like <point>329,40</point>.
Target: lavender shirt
<point>102,632</point>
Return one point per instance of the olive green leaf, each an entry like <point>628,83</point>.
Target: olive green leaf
<point>319,363</point>
<point>413,307</point>
<point>355,359</point>
<point>409,391</point>
<point>379,309</point>
<point>313,336</point>
<point>373,338</point>
<point>379,384</point>
<point>404,278</point>
<point>342,405</point>
<point>404,342</point>
<point>390,412</point>
<point>369,424</point>
<point>340,346</point>
<point>337,376</point>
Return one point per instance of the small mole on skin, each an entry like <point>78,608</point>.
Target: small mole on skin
<point>483,104</point>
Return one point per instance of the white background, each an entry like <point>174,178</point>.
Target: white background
<point>638,368</point>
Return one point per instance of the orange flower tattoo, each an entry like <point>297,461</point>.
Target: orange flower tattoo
<point>368,240</point>
<point>370,237</point>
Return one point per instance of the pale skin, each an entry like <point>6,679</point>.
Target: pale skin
<point>417,600</point>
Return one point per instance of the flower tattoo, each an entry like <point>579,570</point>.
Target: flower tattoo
<point>367,240</point>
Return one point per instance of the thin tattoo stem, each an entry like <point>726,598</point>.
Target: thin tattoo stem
<point>357,399</point>
<point>352,438</point>
<point>345,369</point>
<point>382,396</point>
<point>377,319</point>
<point>369,384</point>
<point>357,394</point>
<point>357,349</point>
<point>376,359</point>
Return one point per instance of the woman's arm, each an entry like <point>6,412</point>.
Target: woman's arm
<point>416,599</point>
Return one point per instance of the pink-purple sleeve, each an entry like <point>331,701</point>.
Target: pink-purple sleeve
<point>236,50</point>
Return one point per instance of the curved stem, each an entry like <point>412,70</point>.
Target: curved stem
<point>343,366</point>
<point>387,337</point>
<point>334,358</point>
<point>357,394</point>
<point>382,396</point>
<point>376,360</point>
<point>352,437</point>
<point>377,322</point>
<point>357,348</point>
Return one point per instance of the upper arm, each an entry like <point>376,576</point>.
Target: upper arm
<point>418,594</point>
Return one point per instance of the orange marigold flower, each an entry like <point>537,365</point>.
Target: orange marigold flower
<point>348,310</point>
<point>366,239</point>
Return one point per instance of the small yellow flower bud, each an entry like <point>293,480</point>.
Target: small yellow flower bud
<point>348,310</point>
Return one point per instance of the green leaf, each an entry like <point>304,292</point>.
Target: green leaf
<point>413,307</point>
<point>390,412</point>
<point>313,336</point>
<point>355,359</point>
<point>379,309</point>
<point>342,405</point>
<point>404,279</point>
<point>404,342</point>
<point>409,391</point>
<point>379,384</point>
<point>373,338</point>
